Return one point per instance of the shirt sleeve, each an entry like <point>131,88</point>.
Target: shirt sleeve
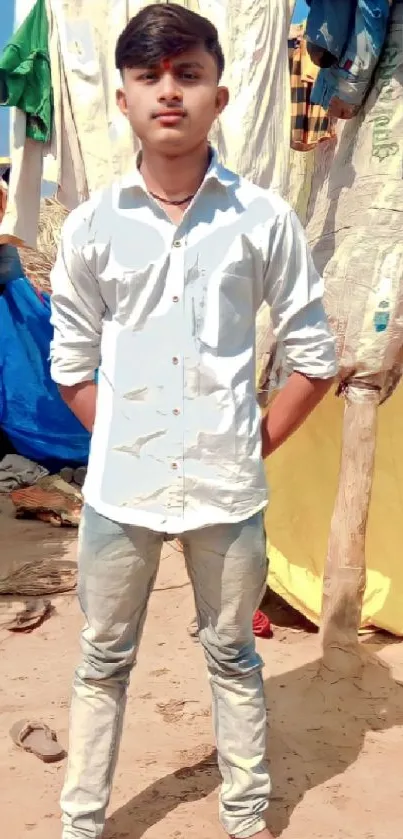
<point>77,312</point>
<point>294,292</point>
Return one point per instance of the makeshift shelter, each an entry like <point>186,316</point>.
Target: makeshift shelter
<point>351,200</point>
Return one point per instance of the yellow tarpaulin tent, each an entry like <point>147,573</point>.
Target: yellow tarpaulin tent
<point>303,478</point>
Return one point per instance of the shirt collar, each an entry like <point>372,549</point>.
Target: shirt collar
<point>215,172</point>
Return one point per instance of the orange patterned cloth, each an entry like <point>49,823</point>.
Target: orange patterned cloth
<point>310,124</point>
<point>51,500</point>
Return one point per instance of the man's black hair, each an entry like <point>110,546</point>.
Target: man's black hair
<point>165,30</point>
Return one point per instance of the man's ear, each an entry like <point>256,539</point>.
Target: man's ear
<point>121,100</point>
<point>222,99</point>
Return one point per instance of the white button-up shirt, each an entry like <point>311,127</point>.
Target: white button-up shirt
<point>168,316</point>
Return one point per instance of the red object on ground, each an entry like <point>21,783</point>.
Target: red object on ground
<point>261,625</point>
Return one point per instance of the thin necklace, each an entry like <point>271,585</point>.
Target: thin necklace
<point>173,203</point>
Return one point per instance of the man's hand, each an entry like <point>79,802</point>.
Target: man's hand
<point>81,399</point>
<point>290,408</point>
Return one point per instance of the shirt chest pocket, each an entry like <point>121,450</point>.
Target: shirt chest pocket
<point>224,313</point>
<point>135,297</point>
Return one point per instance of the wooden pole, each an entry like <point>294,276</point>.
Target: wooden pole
<point>345,569</point>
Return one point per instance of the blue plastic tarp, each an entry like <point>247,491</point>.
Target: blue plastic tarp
<point>32,413</point>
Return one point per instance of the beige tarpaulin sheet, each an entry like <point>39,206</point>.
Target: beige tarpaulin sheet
<point>303,477</point>
<point>353,202</point>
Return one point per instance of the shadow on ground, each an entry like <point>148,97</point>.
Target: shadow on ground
<point>318,723</point>
<point>149,807</point>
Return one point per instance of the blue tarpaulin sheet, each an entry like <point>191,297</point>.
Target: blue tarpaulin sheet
<point>32,413</point>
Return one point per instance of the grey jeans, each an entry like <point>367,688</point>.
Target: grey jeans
<point>117,569</point>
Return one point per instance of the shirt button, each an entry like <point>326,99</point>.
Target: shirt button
<point>175,360</point>
<point>177,243</point>
<point>176,411</point>
<point>175,299</point>
<point>174,466</point>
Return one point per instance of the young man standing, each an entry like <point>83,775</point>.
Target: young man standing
<point>157,284</point>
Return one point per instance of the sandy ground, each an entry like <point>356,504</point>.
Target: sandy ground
<point>336,746</point>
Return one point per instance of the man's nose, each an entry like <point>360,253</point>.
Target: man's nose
<point>169,90</point>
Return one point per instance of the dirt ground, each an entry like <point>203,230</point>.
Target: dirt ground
<point>335,745</point>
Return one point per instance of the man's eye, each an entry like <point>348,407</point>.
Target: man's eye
<point>149,76</point>
<point>188,76</point>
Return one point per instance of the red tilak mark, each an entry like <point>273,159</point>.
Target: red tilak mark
<point>166,64</point>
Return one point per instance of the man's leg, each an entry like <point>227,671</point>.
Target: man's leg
<point>228,568</point>
<point>117,568</point>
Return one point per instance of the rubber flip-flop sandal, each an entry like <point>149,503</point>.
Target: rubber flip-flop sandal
<point>32,616</point>
<point>37,739</point>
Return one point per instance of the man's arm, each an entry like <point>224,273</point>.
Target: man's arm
<point>77,313</point>
<point>290,409</point>
<point>294,290</point>
<point>82,400</point>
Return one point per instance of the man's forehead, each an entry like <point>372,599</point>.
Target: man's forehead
<point>197,58</point>
<point>183,60</point>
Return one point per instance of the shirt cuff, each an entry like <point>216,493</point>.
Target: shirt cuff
<point>70,374</point>
<point>320,365</point>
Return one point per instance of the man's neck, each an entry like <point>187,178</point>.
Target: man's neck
<point>175,177</point>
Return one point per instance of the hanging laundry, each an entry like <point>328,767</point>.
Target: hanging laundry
<point>252,135</point>
<point>25,76</point>
<point>362,26</point>
<point>310,124</point>
<point>59,161</point>
<point>92,143</point>
<point>328,28</point>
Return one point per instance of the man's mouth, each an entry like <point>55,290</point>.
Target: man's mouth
<point>171,117</point>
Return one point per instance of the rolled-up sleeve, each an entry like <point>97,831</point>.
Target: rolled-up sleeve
<point>77,310</point>
<point>294,291</point>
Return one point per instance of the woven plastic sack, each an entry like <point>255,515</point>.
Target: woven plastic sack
<point>355,226</point>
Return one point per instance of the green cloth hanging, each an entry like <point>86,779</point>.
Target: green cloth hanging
<point>25,74</point>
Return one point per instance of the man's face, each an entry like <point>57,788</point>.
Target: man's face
<point>172,107</point>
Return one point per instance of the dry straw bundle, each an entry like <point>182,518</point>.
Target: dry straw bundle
<point>37,264</point>
<point>41,578</point>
